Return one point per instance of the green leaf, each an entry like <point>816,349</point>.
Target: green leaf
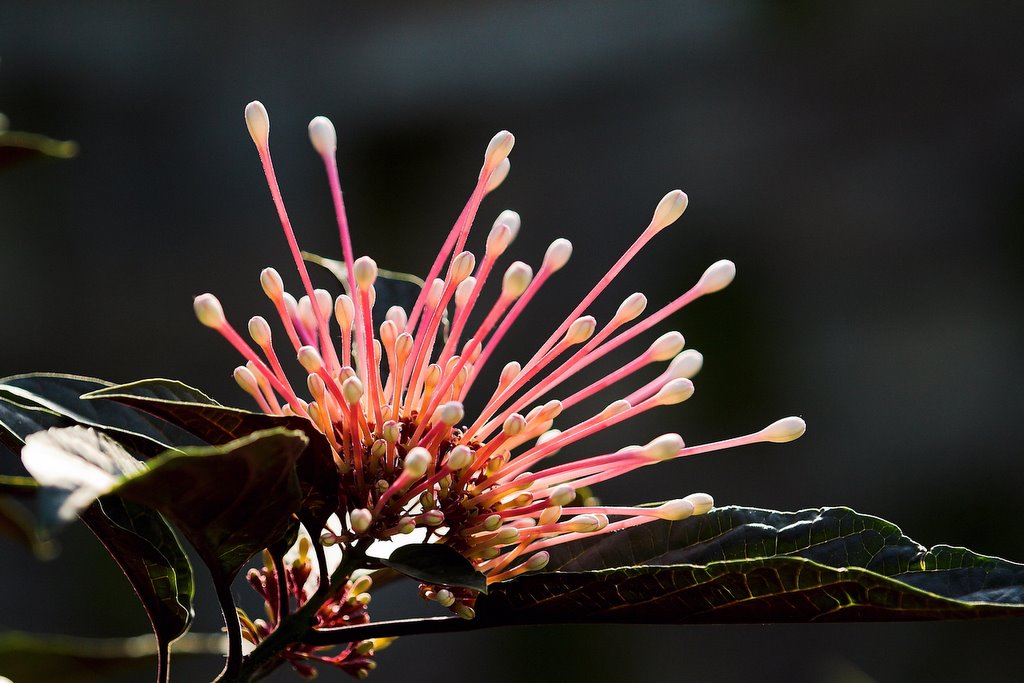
<point>197,414</point>
<point>152,559</point>
<point>231,500</point>
<point>743,565</point>
<point>61,395</point>
<point>29,658</point>
<point>437,564</point>
<point>18,421</point>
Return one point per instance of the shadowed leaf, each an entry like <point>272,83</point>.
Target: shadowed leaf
<point>739,565</point>
<point>196,413</point>
<point>437,564</point>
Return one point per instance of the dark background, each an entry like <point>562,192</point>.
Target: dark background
<point>861,163</point>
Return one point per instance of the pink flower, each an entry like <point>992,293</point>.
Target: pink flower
<point>409,456</point>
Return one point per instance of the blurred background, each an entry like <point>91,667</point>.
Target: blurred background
<point>863,164</point>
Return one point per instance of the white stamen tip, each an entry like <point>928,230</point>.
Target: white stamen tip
<point>686,364</point>
<point>666,346</point>
<point>670,208</point>
<point>512,219</point>
<point>675,510</point>
<point>416,462</point>
<point>664,447</point>
<point>309,359</point>
<point>209,311</point>
<point>581,330</point>
<point>701,502</point>
<point>272,283</point>
<point>498,175</point>
<point>323,136</point>
<point>517,279</point>
<point>365,272</point>
<point>718,276</point>
<point>784,430</point>
<point>498,149</point>
<point>257,120</point>
<point>558,254</point>
<point>675,391</point>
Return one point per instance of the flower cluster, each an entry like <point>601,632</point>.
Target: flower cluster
<point>390,396</point>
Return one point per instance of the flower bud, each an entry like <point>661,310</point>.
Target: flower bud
<point>209,311</point>
<point>323,136</point>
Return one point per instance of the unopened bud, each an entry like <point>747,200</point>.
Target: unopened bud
<point>786,429</point>
<point>675,510</point>
<point>514,425</point>
<point>498,175</point>
<point>352,390</point>
<point>666,346</point>
<point>701,502</point>
<point>462,266</point>
<point>464,291</point>
<point>444,597</point>
<point>538,561</point>
<point>498,240</point>
<point>460,458</point>
<point>506,535</point>
<point>245,379</point>
<point>364,270</point>
<point>258,122</point>
<point>686,364</point>
<point>718,276</point>
<point>558,254</point>
<point>512,220</point>
<point>273,285</point>
<point>632,306</point>
<point>323,136</point>
<point>675,391</point>
<point>498,149</point>
<point>360,519</point>
<point>580,330</point>
<point>670,208</point>
<point>517,278</point>
<point>416,462</point>
<point>451,413</point>
<point>583,524</point>
<point>209,311</point>
<point>344,311</point>
<point>664,447</point>
<point>561,495</point>
<point>259,330</point>
<point>309,359</point>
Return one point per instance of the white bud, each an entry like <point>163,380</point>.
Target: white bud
<point>581,330</point>
<point>664,447</point>
<point>549,515</point>
<point>392,431</point>
<point>344,311</point>
<point>209,311</point>
<point>352,390</point>
<point>675,510</point>
<point>309,359</point>
<point>614,408</point>
<point>686,364</point>
<point>786,429</point>
<point>517,279</point>
<point>583,524</point>
<point>666,346</point>
<point>323,301</point>
<point>246,379</point>
<point>563,494</point>
<point>558,254</point>
<point>434,292</point>
<point>464,290</point>
<point>498,175</point>
<point>323,136</point>
<point>451,413</point>
<point>669,209</point>
<point>701,502</point>
<point>632,306</point>
<point>388,333</point>
<point>306,313</point>
<point>360,519</point>
<point>718,276</point>
<point>398,316</point>
<point>507,534</point>
<point>538,561</point>
<point>492,522</point>
<point>416,462</point>
<point>462,266</point>
<point>259,330</point>
<point>548,436</point>
<point>460,458</point>
<point>514,425</point>
<point>498,148</point>
<point>498,240</point>
<point>445,598</point>
<point>431,518</point>
<point>272,283</point>
<point>364,270</point>
<point>674,391</point>
<point>258,122</point>
<point>512,220</point>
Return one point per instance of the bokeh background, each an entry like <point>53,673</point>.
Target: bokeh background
<point>863,164</point>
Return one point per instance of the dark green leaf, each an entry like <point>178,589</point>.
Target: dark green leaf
<point>436,564</point>
<point>146,549</point>
<point>16,522</point>
<point>61,394</point>
<point>18,421</point>
<point>194,412</point>
<point>28,658</point>
<point>738,565</point>
<point>230,501</point>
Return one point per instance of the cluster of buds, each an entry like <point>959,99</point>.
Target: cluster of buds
<point>291,590</point>
<point>388,389</point>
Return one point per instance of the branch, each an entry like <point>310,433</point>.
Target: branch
<point>396,627</point>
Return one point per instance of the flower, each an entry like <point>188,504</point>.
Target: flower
<point>408,454</point>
